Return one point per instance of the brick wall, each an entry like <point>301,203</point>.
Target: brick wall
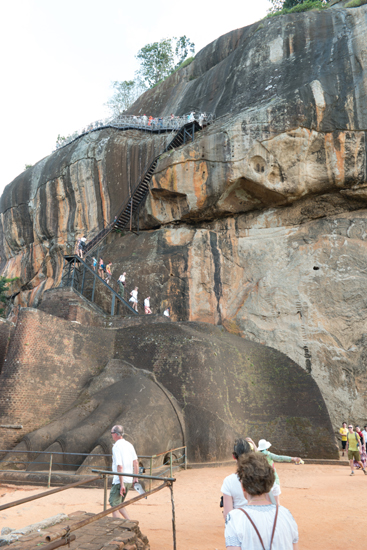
<point>68,304</point>
<point>49,360</point>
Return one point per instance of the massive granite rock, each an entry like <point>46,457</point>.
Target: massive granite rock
<point>168,384</point>
<point>259,225</point>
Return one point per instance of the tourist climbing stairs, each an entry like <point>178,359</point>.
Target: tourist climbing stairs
<point>185,134</point>
<point>78,274</point>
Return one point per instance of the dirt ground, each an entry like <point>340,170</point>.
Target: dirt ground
<point>328,505</point>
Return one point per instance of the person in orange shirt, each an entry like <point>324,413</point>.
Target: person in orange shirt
<point>344,432</point>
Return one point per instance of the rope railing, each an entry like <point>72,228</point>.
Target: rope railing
<point>144,122</point>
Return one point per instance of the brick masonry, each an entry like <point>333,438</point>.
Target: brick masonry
<point>108,532</point>
<point>48,361</point>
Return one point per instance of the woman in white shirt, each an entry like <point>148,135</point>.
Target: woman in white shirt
<point>134,298</point>
<point>258,525</point>
<point>233,496</point>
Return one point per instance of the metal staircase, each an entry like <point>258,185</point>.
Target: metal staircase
<point>132,204</point>
<point>81,276</point>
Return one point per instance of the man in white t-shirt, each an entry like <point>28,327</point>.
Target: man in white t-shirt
<point>124,459</point>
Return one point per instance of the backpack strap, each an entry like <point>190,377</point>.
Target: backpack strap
<point>258,534</point>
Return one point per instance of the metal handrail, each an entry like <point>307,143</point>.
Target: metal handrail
<point>95,274</point>
<point>107,229</point>
<point>144,123</point>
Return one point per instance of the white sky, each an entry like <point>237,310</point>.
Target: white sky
<point>58,58</point>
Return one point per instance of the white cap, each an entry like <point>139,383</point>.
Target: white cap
<point>263,445</point>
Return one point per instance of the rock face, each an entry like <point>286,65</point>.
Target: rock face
<point>259,225</point>
<point>168,384</point>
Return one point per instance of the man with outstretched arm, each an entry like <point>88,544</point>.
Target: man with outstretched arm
<point>124,459</point>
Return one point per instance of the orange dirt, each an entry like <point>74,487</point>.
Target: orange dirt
<point>328,505</point>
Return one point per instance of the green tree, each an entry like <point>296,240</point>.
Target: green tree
<point>61,140</point>
<point>4,289</point>
<point>156,61</point>
<point>184,46</point>
<point>124,94</point>
<point>278,5</point>
<point>159,59</point>
<point>26,166</point>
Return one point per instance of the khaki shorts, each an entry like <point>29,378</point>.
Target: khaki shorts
<point>115,497</point>
<point>355,455</point>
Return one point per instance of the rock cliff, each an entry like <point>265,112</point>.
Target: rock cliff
<point>259,224</point>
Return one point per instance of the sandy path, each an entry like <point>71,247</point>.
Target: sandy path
<point>328,505</point>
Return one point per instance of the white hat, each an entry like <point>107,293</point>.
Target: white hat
<point>263,445</point>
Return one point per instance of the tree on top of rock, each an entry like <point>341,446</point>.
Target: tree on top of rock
<point>160,59</point>
<point>278,5</point>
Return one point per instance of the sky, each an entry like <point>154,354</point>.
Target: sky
<point>58,59</point>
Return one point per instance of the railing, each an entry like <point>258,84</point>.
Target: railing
<point>76,278</point>
<point>145,123</point>
<point>64,534</point>
<point>133,201</point>
<point>173,463</point>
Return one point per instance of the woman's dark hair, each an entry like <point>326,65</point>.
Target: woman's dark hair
<point>256,475</point>
<point>241,446</point>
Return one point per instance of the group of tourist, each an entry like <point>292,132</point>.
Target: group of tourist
<point>105,272</point>
<point>251,500</point>
<point>355,444</point>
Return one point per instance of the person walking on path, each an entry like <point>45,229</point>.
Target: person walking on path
<point>94,264</point>
<point>263,447</point>
<point>109,273</point>
<point>147,309</point>
<point>134,298</point>
<point>344,432</point>
<point>124,459</point>
<point>166,312</point>
<point>362,449</point>
<point>365,437</point>
<point>233,496</point>
<point>259,524</point>
<point>122,282</point>
<point>353,441</point>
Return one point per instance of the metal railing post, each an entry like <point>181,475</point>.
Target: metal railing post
<point>94,286</point>
<point>81,291</point>
<point>73,275</point>
<point>113,305</point>
<point>173,517</point>
<point>170,463</point>
<point>105,484</point>
<point>150,472</point>
<point>49,473</point>
<point>185,462</point>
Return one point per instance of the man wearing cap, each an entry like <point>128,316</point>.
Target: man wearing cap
<point>263,447</point>
<point>353,442</point>
<point>124,459</point>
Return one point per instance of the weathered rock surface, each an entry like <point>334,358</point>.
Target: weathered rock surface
<point>168,384</point>
<point>260,224</point>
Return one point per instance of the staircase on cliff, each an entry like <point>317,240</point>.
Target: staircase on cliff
<point>78,274</point>
<point>133,203</point>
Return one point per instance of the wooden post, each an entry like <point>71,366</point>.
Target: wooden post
<point>49,473</point>
<point>150,472</point>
